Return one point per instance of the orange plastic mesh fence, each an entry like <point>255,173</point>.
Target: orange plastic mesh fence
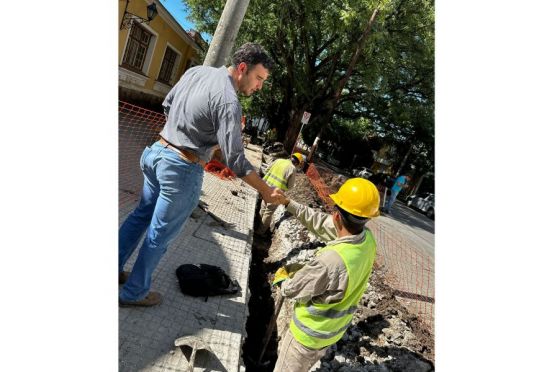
<point>138,128</point>
<point>323,190</point>
<point>408,270</point>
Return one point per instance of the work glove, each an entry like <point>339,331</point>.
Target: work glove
<point>280,275</point>
<point>286,272</point>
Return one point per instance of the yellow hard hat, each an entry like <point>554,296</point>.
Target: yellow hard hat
<point>359,197</point>
<point>298,156</point>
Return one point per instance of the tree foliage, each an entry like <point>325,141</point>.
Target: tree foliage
<point>389,97</point>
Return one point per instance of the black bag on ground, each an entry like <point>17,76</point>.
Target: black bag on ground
<point>205,280</point>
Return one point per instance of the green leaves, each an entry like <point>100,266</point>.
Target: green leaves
<point>390,93</point>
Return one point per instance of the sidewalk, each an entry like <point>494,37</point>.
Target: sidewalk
<point>147,335</point>
<point>406,249</point>
<point>411,224</point>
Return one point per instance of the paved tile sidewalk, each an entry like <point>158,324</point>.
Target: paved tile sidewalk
<point>147,335</point>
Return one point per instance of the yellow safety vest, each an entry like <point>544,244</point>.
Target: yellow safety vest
<point>320,325</point>
<point>275,175</point>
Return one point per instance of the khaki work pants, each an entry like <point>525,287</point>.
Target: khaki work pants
<point>295,357</point>
<point>266,212</point>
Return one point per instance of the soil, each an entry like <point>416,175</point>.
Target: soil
<point>384,336</point>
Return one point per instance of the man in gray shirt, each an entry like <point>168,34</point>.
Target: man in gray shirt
<point>202,111</point>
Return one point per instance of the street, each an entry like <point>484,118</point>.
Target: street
<point>411,224</point>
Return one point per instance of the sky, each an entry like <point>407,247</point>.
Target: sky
<point>178,10</point>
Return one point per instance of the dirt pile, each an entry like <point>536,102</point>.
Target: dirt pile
<point>332,180</point>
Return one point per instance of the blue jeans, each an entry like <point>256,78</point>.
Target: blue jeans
<point>389,203</point>
<point>170,193</point>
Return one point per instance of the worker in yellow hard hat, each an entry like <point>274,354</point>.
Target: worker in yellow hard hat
<point>327,289</point>
<point>281,174</point>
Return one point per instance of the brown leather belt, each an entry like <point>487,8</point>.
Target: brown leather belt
<point>185,155</point>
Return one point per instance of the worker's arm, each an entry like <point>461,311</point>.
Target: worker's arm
<point>256,182</point>
<point>290,176</point>
<point>323,280</point>
<point>318,223</point>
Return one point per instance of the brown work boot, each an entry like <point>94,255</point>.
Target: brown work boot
<point>123,277</point>
<point>152,299</point>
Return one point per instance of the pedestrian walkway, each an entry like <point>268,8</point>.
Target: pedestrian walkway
<point>405,241</point>
<point>410,223</point>
<point>147,335</point>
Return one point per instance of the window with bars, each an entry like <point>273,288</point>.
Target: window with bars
<point>167,66</point>
<point>137,48</point>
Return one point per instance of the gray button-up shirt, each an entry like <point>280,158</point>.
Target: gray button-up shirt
<point>202,111</point>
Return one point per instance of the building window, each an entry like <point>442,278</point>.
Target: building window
<point>166,71</point>
<point>137,48</point>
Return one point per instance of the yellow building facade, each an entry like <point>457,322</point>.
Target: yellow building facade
<point>153,55</point>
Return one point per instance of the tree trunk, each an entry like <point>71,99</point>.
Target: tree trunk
<point>353,160</point>
<point>416,187</point>
<point>293,129</point>
<point>403,162</point>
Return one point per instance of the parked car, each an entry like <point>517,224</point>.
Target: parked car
<point>362,172</point>
<point>424,202</point>
<point>269,148</point>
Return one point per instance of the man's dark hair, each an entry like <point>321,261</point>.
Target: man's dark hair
<point>252,54</point>
<point>354,224</point>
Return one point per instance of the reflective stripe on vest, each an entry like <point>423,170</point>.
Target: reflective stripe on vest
<point>317,334</point>
<point>275,175</point>
<point>320,325</point>
<point>331,313</point>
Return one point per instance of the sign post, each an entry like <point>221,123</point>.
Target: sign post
<point>304,120</point>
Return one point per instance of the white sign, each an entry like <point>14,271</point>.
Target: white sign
<point>305,117</point>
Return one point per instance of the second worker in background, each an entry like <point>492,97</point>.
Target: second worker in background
<point>282,175</point>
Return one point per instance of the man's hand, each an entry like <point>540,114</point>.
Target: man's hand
<point>263,188</point>
<point>217,154</point>
<point>269,194</point>
<point>276,196</point>
<point>280,197</point>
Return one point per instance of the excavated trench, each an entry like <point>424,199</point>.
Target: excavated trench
<point>261,308</point>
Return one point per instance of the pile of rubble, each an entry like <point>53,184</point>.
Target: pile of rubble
<point>384,336</point>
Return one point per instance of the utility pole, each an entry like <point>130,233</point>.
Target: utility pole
<point>226,32</point>
<point>345,78</point>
